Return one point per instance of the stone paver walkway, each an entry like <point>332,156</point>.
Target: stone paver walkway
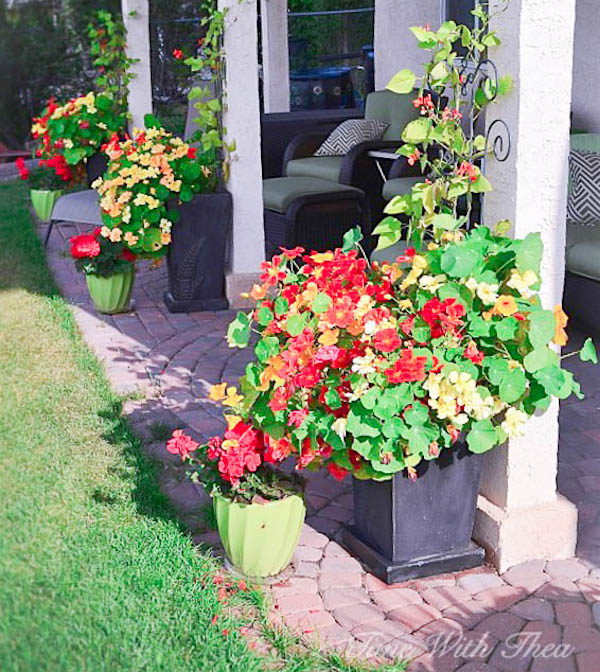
<point>174,359</point>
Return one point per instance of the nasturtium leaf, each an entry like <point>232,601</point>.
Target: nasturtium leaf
<point>393,428</point>
<point>419,437</point>
<point>362,424</point>
<point>281,306</point>
<point>332,399</point>
<point>513,386</point>
<point>588,353</point>
<point>417,415</point>
<point>387,405</point>
<point>506,328</point>
<point>541,327</point>
<point>416,131</point>
<point>351,239</point>
<point>266,348</point>
<point>369,399</point>
<point>478,327</point>
<point>391,467</point>
<point>539,358</point>
<point>552,378</point>
<point>321,303</point>
<point>364,447</point>
<point>295,324</point>
<point>402,82</point>
<point>482,437</point>
<point>185,193</point>
<point>529,254</point>
<point>264,316</point>
<point>253,374</point>
<point>497,369</point>
<point>459,261</point>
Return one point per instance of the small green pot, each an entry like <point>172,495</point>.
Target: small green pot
<point>43,201</point>
<point>260,539</point>
<point>111,295</point>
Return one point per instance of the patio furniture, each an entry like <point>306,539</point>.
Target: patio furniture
<point>311,212</point>
<point>356,168</point>
<point>582,256</point>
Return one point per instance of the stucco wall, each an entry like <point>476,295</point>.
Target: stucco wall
<point>586,70</point>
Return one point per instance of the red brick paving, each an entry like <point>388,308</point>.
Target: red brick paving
<point>174,359</point>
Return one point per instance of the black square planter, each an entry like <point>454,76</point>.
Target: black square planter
<point>197,254</point>
<point>409,529</point>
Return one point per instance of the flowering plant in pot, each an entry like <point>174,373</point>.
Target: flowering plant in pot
<point>403,373</point>
<point>47,182</point>
<point>145,173</point>
<point>77,129</point>
<point>109,269</point>
<point>259,510</point>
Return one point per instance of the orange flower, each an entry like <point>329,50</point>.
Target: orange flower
<point>560,335</point>
<point>506,305</point>
<point>329,337</point>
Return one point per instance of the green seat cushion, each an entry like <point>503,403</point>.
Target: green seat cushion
<point>586,142</point>
<point>399,186</point>
<point>395,108</point>
<point>280,192</point>
<point>390,254</point>
<point>321,167</point>
<point>583,250</point>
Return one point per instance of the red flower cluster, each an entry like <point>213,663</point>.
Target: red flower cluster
<point>60,166</point>
<point>181,444</point>
<point>443,316</point>
<point>178,54</point>
<point>84,246</point>
<point>424,104</point>
<point>407,369</point>
<point>22,168</point>
<point>467,170</point>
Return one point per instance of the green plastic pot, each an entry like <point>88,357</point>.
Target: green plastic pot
<point>43,201</point>
<point>111,294</point>
<point>260,539</point>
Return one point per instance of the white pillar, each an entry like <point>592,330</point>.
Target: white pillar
<point>275,55</point>
<point>135,17</point>
<point>242,120</point>
<point>520,515</point>
<point>395,46</point>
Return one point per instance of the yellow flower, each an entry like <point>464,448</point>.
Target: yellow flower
<point>522,282</point>
<point>165,238</point>
<point>105,232</point>
<point>513,423</point>
<point>560,335</point>
<point>130,238</point>
<point>339,427</point>
<point>506,305</point>
<point>217,392</point>
<point>232,398</point>
<point>232,420</point>
<point>329,337</point>
<point>115,235</point>
<point>321,257</point>
<point>431,283</point>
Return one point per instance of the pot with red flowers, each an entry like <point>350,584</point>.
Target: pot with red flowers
<point>258,504</point>
<point>109,269</point>
<point>47,181</point>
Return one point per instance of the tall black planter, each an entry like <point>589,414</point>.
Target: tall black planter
<point>196,257</point>
<point>95,167</point>
<point>408,529</point>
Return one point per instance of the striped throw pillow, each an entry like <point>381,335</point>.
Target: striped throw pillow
<point>583,205</point>
<point>349,134</point>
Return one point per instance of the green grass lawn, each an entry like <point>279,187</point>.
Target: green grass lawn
<point>95,572</point>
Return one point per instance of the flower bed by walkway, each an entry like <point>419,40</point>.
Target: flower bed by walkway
<point>174,360</point>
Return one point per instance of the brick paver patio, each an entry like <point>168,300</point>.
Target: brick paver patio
<point>173,360</point>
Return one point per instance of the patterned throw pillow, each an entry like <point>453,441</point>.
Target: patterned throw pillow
<point>349,134</point>
<point>583,205</point>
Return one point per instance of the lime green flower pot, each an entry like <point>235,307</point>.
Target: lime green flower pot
<point>260,538</point>
<point>43,201</point>
<point>111,295</point>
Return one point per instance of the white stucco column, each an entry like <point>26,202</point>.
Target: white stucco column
<point>135,17</point>
<point>275,55</point>
<point>241,118</point>
<point>395,46</point>
<point>520,515</point>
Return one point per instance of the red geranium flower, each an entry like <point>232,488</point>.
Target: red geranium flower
<point>178,54</point>
<point>339,473</point>
<point>84,246</point>
<point>471,352</point>
<point>128,255</point>
<point>191,153</point>
<point>181,444</point>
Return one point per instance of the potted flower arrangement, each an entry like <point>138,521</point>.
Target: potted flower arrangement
<point>78,129</point>
<point>109,269</point>
<point>259,511</point>
<point>148,191</point>
<point>47,182</point>
<point>402,374</point>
